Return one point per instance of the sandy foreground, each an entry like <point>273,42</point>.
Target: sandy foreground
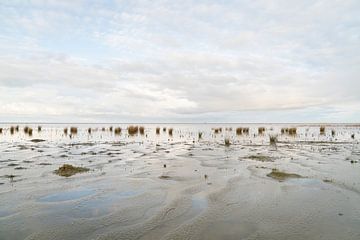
<point>156,186</point>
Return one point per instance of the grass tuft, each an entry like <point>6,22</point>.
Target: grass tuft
<point>39,128</point>
<point>322,130</point>
<point>239,131</point>
<point>261,130</point>
<point>66,131</point>
<point>117,131</point>
<point>132,130</point>
<point>227,142</point>
<point>68,170</point>
<point>273,139</point>
<point>170,131</point>
<point>73,130</point>
<point>281,176</point>
<point>158,130</point>
<point>142,130</point>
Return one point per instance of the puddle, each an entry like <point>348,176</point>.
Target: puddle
<point>198,203</point>
<point>6,213</point>
<point>67,196</point>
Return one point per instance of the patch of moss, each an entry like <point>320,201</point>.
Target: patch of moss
<point>281,176</point>
<point>68,170</point>
<point>260,158</point>
<point>35,140</point>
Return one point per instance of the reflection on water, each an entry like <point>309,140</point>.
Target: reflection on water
<point>156,185</point>
<point>67,195</point>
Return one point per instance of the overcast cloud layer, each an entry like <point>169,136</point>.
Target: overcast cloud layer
<point>180,61</point>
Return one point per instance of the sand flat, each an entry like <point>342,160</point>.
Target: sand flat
<point>206,191</point>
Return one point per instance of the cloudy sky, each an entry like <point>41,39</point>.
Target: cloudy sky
<point>180,61</point>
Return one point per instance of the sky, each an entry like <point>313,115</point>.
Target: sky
<point>180,61</point>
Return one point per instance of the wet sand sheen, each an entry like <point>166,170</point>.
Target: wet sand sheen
<point>149,184</point>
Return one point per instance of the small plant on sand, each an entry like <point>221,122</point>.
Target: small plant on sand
<point>73,130</point>
<point>39,128</point>
<point>158,130</point>
<point>200,135</point>
<point>30,132</point>
<point>117,131</point>
<point>1,130</point>
<point>132,130</point>
<point>89,130</point>
<point>227,142</point>
<point>245,130</point>
<point>26,129</point>
<point>164,129</point>
<point>110,128</point>
<point>273,139</point>
<point>239,131</point>
<point>333,133</point>
<point>170,131</point>
<point>261,130</point>
<point>65,131</point>
<point>12,130</point>
<point>68,170</point>
<point>17,128</point>
<point>292,131</point>
<point>281,176</point>
<point>353,136</point>
<point>103,129</point>
<point>322,130</point>
<point>142,130</point>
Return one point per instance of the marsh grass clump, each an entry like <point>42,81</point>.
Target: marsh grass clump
<point>117,131</point>
<point>110,128</point>
<point>227,142</point>
<point>89,130</point>
<point>273,139</point>
<point>1,130</point>
<point>157,130</point>
<point>65,131</point>
<point>322,130</point>
<point>26,129</point>
<point>292,131</point>
<point>245,130</point>
<point>164,129</point>
<point>353,136</point>
<point>281,176</point>
<point>12,130</point>
<point>103,129</point>
<point>39,128</point>
<point>73,130</point>
<point>142,130</point>
<point>30,132</point>
<point>333,133</point>
<point>261,158</point>
<point>261,130</point>
<point>171,131</point>
<point>239,131</point>
<point>132,130</point>
<point>200,135</point>
<point>68,170</point>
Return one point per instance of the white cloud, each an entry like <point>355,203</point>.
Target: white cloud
<point>180,60</point>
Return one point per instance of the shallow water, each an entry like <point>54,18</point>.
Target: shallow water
<point>206,191</point>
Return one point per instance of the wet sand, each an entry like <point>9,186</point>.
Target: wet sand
<point>156,186</point>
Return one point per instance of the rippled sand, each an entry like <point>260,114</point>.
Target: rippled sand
<point>181,187</point>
